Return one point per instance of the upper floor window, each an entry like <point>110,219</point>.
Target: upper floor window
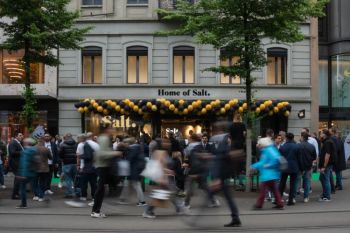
<point>226,79</point>
<point>137,2</point>
<point>277,66</point>
<point>12,68</point>
<point>183,64</point>
<point>92,65</point>
<point>92,2</point>
<point>137,64</point>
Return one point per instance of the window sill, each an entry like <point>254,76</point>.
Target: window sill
<point>91,6</point>
<point>136,5</point>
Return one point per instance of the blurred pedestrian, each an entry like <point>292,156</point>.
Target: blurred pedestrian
<point>15,149</point>
<point>53,162</point>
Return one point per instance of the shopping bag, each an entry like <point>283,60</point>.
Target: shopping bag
<point>123,168</point>
<point>153,170</point>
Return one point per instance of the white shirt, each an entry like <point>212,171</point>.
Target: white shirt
<point>80,151</point>
<point>48,146</point>
<point>313,142</point>
<point>93,145</point>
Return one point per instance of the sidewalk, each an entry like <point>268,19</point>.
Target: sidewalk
<point>340,203</point>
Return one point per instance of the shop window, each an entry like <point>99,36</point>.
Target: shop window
<point>92,2</point>
<point>340,80</point>
<point>137,2</point>
<point>277,66</point>
<point>92,65</point>
<point>323,82</point>
<point>183,64</point>
<point>226,79</point>
<point>12,69</point>
<point>137,64</point>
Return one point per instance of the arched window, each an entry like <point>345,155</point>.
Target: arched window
<point>228,61</point>
<point>183,64</point>
<point>92,65</point>
<point>277,65</point>
<point>137,59</point>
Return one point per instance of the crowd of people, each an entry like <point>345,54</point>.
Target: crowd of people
<point>173,166</point>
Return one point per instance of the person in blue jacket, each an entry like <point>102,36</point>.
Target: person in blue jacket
<point>269,172</point>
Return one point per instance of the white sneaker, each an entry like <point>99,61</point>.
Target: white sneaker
<point>60,185</point>
<point>49,192</point>
<point>306,200</point>
<point>98,215</point>
<point>285,194</point>
<point>3,186</point>
<point>215,204</point>
<point>41,199</point>
<point>323,199</point>
<point>91,204</point>
<point>35,198</point>
<point>83,198</point>
<point>148,215</point>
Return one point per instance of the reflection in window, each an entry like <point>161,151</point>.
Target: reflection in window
<point>341,81</point>
<point>277,66</point>
<point>92,65</point>
<point>323,82</point>
<point>183,64</point>
<point>137,64</point>
<point>12,69</point>
<point>92,2</point>
<point>226,79</point>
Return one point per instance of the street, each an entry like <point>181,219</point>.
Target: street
<point>55,216</point>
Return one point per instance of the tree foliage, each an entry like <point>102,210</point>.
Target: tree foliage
<point>40,28</point>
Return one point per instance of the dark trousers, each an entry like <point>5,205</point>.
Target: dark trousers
<point>103,173</point>
<point>49,177</point>
<point>272,185</point>
<point>292,185</point>
<point>331,179</point>
<point>202,181</point>
<point>23,188</point>
<point>85,179</point>
<point>16,184</point>
<point>40,183</point>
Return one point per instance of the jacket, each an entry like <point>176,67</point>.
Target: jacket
<point>28,163</point>
<point>268,165</point>
<point>43,156</point>
<point>222,165</point>
<point>291,151</point>
<point>136,160</point>
<point>307,155</point>
<point>15,150</point>
<point>340,163</point>
<point>67,152</point>
<point>105,155</point>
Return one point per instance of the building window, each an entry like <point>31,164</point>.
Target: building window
<point>92,2</point>
<point>323,82</point>
<point>137,2</point>
<point>340,80</point>
<point>137,64</point>
<point>12,69</point>
<point>226,79</point>
<point>277,66</point>
<point>92,65</point>
<point>183,64</point>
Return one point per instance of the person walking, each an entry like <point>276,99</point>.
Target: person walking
<point>269,173</point>
<point>53,162</point>
<point>15,149</point>
<point>103,163</point>
<point>67,154</point>
<point>340,164</point>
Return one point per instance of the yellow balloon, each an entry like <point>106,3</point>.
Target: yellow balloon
<point>245,106</point>
<point>190,108</point>
<point>285,104</point>
<point>105,111</point>
<point>167,103</point>
<point>204,111</point>
<point>231,103</point>
<point>86,100</point>
<point>222,110</point>
<point>154,108</point>
<point>185,112</point>
<point>122,111</point>
<point>240,109</point>
<point>208,107</point>
<point>113,104</point>
<point>181,102</point>
<point>227,106</point>
<point>217,102</point>
<point>100,109</point>
<point>270,102</point>
<point>257,110</point>
<point>131,104</point>
<point>275,109</point>
<point>117,108</point>
<point>195,104</point>
<point>140,111</point>
<point>127,101</point>
<point>262,107</point>
<point>176,111</point>
<point>136,108</point>
<point>286,113</point>
<point>149,105</point>
<point>81,109</point>
<point>92,101</point>
<point>280,105</point>
<point>109,102</point>
<point>172,107</point>
<point>95,105</point>
<point>199,102</point>
<point>86,109</point>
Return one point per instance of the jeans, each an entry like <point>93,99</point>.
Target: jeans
<point>331,179</point>
<point>1,174</point>
<point>292,185</point>
<point>325,182</point>
<point>201,179</point>
<point>307,183</point>
<point>69,172</point>
<point>23,189</point>
<point>85,179</point>
<point>103,173</point>
<point>339,182</point>
<point>272,186</point>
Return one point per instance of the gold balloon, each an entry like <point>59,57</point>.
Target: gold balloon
<point>86,109</point>
<point>122,111</point>
<point>285,104</point>
<point>280,105</point>
<point>262,107</point>
<point>185,112</point>
<point>208,107</point>
<point>100,108</point>
<point>172,107</point>
<point>127,101</point>
<point>105,111</point>
<point>199,102</point>
<point>195,104</point>
<point>222,110</point>
<point>181,102</point>
<point>203,111</point>
<point>275,109</point>
<point>231,103</point>
<point>86,100</point>
<point>240,109</point>
<point>176,111</point>
<point>140,111</point>
<point>95,105</point>
<point>117,108</point>
<point>270,102</point>
<point>149,105</point>
<point>245,106</point>
<point>286,113</point>
<point>190,108</point>
<point>113,104</point>
<point>227,106</point>
<point>217,102</point>
<point>92,101</point>
<point>257,110</point>
<point>154,108</point>
<point>131,104</point>
<point>81,109</point>
<point>167,103</point>
<point>136,108</point>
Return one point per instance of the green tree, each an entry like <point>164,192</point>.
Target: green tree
<point>238,26</point>
<point>39,28</point>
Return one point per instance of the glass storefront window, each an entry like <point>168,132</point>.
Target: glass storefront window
<point>323,82</point>
<point>12,69</point>
<point>341,81</point>
<point>11,122</point>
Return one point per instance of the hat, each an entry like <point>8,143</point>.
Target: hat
<point>265,142</point>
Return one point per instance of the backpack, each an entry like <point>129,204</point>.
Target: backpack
<point>88,152</point>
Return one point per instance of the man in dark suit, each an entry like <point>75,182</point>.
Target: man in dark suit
<point>205,143</point>
<point>52,147</point>
<point>15,149</point>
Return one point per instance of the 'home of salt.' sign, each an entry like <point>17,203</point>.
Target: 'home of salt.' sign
<point>182,93</point>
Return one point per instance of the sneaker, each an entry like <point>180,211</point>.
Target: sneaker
<point>306,200</point>
<point>83,198</point>
<point>216,203</point>
<point>98,215</point>
<point>91,204</point>
<point>75,204</point>
<point>285,194</point>
<point>234,223</point>
<point>41,199</point>
<point>148,215</point>
<point>21,207</point>
<point>35,198</point>
<point>140,204</point>
<point>3,186</point>
<point>60,185</point>
<point>49,192</point>
<point>324,199</point>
